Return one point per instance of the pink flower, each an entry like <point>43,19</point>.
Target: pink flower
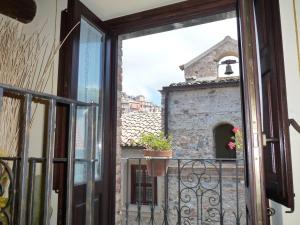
<point>231,145</point>
<point>235,130</point>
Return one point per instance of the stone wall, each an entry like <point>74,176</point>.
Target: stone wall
<point>194,113</point>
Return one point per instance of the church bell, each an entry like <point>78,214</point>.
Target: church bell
<point>228,70</point>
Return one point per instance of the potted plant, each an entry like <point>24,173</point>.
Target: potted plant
<point>158,150</point>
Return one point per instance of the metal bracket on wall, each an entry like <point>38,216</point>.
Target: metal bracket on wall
<point>294,124</point>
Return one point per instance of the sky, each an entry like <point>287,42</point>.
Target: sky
<point>152,62</point>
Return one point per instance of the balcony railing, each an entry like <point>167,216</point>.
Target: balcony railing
<point>18,174</point>
<point>192,191</point>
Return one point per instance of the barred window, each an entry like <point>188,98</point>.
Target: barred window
<point>143,187</point>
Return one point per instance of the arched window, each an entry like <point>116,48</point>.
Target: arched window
<point>222,135</point>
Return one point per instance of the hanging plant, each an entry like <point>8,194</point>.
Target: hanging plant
<point>158,149</point>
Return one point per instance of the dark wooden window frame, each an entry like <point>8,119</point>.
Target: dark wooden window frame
<point>143,184</point>
<point>179,12</point>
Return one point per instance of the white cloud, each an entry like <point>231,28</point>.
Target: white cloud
<point>151,62</point>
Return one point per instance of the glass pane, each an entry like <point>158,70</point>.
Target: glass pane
<point>148,194</point>
<point>139,176</point>
<point>90,89</point>
<point>139,193</point>
<point>81,145</point>
<point>149,179</point>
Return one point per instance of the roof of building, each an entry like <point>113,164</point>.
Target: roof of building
<point>225,41</point>
<point>216,83</point>
<point>136,123</point>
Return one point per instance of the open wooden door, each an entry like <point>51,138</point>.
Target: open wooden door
<point>84,75</point>
<point>277,155</point>
<point>268,157</point>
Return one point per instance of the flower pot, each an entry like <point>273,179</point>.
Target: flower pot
<point>159,166</point>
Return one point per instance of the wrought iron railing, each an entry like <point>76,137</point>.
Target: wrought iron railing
<point>192,191</point>
<point>17,174</point>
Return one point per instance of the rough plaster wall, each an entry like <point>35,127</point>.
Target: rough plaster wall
<point>44,22</point>
<point>193,115</point>
<point>207,67</point>
<point>46,12</point>
<point>293,84</point>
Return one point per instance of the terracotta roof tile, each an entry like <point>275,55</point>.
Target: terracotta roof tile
<point>136,123</point>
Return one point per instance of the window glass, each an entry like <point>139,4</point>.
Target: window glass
<point>89,89</point>
<point>143,186</point>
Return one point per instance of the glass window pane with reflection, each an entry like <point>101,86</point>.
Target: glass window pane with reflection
<point>89,89</point>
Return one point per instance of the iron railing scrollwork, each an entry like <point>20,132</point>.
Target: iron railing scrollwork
<point>195,191</point>
<point>6,192</point>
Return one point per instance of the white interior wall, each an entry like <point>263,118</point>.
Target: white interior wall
<point>109,9</point>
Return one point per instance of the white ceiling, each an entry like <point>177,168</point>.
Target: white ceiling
<point>109,9</point>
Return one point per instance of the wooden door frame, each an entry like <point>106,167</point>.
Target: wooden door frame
<point>179,12</point>
<point>67,80</point>
<point>254,182</point>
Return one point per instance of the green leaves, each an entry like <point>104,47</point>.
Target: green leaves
<point>157,142</point>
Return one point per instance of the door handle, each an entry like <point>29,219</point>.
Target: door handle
<point>267,140</point>
<point>294,124</point>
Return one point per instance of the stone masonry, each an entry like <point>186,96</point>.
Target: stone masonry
<point>195,110</point>
<point>205,66</point>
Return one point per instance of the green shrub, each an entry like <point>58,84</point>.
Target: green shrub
<point>156,142</point>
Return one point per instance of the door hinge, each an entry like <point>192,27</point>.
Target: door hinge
<point>271,211</point>
<point>266,140</point>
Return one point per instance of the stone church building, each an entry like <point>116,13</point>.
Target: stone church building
<point>205,102</point>
<point>200,113</point>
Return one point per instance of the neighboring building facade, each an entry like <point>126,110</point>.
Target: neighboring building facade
<point>200,114</point>
<point>137,104</point>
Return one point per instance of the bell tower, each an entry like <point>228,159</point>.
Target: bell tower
<point>214,61</point>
